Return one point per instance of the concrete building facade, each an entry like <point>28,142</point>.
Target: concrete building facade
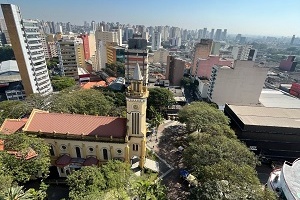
<point>201,50</point>
<point>161,56</point>
<point>175,70</point>
<point>156,41</point>
<point>240,84</point>
<point>26,42</point>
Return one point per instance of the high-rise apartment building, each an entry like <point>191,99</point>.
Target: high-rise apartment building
<point>204,34</point>
<point>137,52</point>
<point>86,46</point>
<point>292,40</point>
<point>244,52</point>
<point>218,34</point>
<point>71,56</point>
<point>68,27</point>
<point>240,84</point>
<point>224,34</point>
<point>45,45</point>
<point>175,70</point>
<point>201,50</point>
<point>212,34</point>
<point>156,41</point>
<point>160,56</point>
<point>26,42</point>
<point>102,37</point>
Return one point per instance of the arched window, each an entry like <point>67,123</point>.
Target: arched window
<point>105,154</point>
<point>135,147</point>
<point>78,152</point>
<point>52,153</point>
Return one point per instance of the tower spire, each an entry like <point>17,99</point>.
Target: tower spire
<point>137,75</point>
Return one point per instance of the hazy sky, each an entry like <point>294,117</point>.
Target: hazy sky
<point>259,17</point>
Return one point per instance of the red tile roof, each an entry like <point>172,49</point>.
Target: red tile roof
<point>30,153</point>
<point>75,124</point>
<point>63,160</point>
<point>90,85</point>
<point>90,161</point>
<point>10,126</point>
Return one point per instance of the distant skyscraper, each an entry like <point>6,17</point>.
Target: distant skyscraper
<point>212,32</point>
<point>238,37</point>
<point>200,33</point>
<point>128,33</point>
<point>156,41</point>
<point>204,35</point>
<point>224,34</point>
<point>68,27</point>
<point>58,28</point>
<point>93,26</point>
<point>218,34</point>
<point>26,43</point>
<point>292,40</point>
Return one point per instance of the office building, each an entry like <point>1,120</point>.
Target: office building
<point>201,50</point>
<point>156,41</point>
<point>270,132</point>
<point>26,42</point>
<point>115,53</point>
<point>52,49</point>
<point>240,84</point>
<point>128,33</point>
<point>68,27</point>
<point>175,70</point>
<point>224,34</point>
<point>137,53</point>
<point>289,64</point>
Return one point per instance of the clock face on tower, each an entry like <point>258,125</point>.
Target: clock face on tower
<point>135,107</point>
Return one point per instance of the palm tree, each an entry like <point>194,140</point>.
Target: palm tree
<point>17,193</point>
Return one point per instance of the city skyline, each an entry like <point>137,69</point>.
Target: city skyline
<point>257,18</point>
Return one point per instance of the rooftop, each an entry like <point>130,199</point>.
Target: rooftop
<point>76,124</point>
<point>275,98</point>
<point>264,116</point>
<point>10,126</point>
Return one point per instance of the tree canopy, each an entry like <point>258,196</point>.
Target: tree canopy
<point>114,180</point>
<point>62,82</point>
<point>20,168</point>
<point>6,53</point>
<point>160,98</point>
<point>198,115</point>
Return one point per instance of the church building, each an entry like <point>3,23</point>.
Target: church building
<point>81,140</point>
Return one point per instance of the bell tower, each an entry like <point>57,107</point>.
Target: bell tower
<point>136,100</point>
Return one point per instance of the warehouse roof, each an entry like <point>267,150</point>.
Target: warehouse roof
<point>263,116</point>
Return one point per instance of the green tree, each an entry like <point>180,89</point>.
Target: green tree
<point>6,53</point>
<point>160,99</point>
<point>20,168</point>
<point>198,115</point>
<point>86,181</point>
<point>13,109</point>
<point>208,150</point>
<point>17,193</point>
<point>186,82</point>
<point>224,190</point>
<point>60,83</point>
<point>91,102</point>
<point>157,118</point>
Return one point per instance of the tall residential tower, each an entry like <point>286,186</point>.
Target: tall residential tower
<point>26,42</point>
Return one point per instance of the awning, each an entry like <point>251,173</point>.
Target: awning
<point>90,161</point>
<point>63,161</point>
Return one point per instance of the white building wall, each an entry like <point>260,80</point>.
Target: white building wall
<point>241,85</point>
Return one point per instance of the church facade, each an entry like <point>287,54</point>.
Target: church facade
<point>82,140</point>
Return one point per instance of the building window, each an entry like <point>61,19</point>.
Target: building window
<point>52,153</point>
<point>135,122</point>
<point>119,151</point>
<point>105,154</point>
<point>63,147</point>
<point>78,152</point>
<point>135,147</point>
